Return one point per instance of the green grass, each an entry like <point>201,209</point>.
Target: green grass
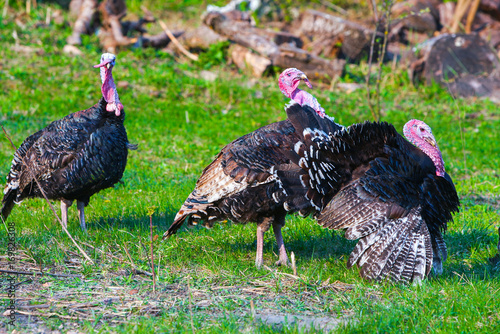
<point>206,278</point>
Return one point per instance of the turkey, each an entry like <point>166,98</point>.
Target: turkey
<point>377,186</point>
<point>240,184</point>
<point>73,157</point>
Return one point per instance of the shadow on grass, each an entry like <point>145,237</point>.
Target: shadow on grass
<point>463,260</point>
<point>162,218</point>
<point>311,242</point>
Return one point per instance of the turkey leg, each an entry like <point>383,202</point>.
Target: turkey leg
<point>283,261</point>
<point>81,213</point>
<point>259,261</point>
<point>65,204</point>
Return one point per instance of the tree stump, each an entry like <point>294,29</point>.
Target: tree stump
<point>464,64</point>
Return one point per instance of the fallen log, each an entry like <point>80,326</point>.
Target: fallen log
<point>356,39</point>
<point>158,41</point>
<point>108,14</point>
<point>313,66</point>
<point>267,53</point>
<point>200,38</point>
<point>241,33</point>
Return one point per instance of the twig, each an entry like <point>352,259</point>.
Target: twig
<point>38,273</point>
<point>52,207</point>
<point>47,17</point>
<point>252,309</point>
<point>471,15</point>
<point>370,60</point>
<point>48,315</point>
<point>152,259</point>
<point>334,7</point>
<point>294,267</point>
<point>190,304</point>
<point>460,10</point>
<point>373,7</point>
<point>136,270</point>
<point>141,272</point>
<point>176,42</point>
<point>5,8</point>
<point>130,257</point>
<point>8,137</point>
<point>388,5</point>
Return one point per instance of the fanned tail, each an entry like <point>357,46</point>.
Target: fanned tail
<point>399,249</point>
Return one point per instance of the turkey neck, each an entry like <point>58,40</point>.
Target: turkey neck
<point>109,92</point>
<point>432,152</point>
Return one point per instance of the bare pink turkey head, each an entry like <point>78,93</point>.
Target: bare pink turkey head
<point>289,81</point>
<point>108,87</point>
<point>420,135</point>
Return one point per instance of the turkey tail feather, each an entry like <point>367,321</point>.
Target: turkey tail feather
<point>178,221</point>
<point>8,203</point>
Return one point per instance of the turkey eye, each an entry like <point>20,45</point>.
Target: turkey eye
<point>289,74</point>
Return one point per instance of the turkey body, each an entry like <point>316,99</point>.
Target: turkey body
<point>371,182</point>
<point>70,159</point>
<point>241,185</point>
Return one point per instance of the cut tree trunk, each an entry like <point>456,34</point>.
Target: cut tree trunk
<point>465,64</point>
<point>491,7</point>
<point>246,60</point>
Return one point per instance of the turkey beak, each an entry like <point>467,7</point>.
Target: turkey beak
<point>106,63</point>
<point>431,141</point>
<point>302,76</point>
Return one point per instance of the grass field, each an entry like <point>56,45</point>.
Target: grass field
<point>206,279</point>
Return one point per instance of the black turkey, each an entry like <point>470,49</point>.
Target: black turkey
<point>74,157</point>
<point>240,184</point>
<point>370,181</point>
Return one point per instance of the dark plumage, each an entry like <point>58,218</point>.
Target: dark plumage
<point>370,181</point>
<point>71,159</point>
<point>240,184</point>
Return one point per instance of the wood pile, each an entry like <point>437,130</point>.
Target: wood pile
<point>114,32</point>
<point>320,43</point>
<point>454,44</point>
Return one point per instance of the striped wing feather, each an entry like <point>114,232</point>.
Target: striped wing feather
<point>368,180</point>
<point>243,183</point>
